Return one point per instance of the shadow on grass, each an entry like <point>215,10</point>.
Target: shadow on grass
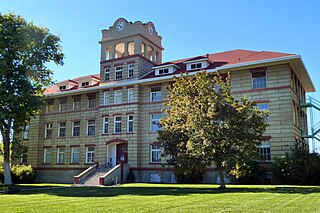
<point>171,190</point>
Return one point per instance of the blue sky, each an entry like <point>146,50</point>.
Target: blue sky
<point>188,28</point>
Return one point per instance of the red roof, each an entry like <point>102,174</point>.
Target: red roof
<point>222,59</point>
<point>216,60</point>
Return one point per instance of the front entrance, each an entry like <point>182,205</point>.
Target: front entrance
<point>122,153</point>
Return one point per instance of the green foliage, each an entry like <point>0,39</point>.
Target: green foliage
<point>206,125</point>
<point>25,51</point>
<point>301,167</point>
<point>23,174</point>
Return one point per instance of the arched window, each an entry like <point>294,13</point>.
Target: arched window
<point>142,48</point>
<point>108,53</point>
<point>150,53</point>
<point>119,50</point>
<point>131,48</point>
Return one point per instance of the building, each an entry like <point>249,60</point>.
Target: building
<point>112,116</point>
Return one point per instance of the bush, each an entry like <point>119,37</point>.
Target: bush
<point>23,174</point>
<point>1,175</point>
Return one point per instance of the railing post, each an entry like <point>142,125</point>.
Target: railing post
<point>101,181</point>
<point>75,180</point>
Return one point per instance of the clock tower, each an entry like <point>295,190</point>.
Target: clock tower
<point>132,48</point>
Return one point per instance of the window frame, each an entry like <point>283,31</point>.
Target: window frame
<point>105,125</point>
<point>118,74</point>
<point>155,96</point>
<point>47,152</point>
<point>60,155</point>
<point>117,122</point>
<point>130,95</point>
<point>117,96</point>
<point>155,148</point>
<point>48,126</point>
<point>256,85</point>
<point>105,98</point>
<point>264,151</point>
<point>25,133</point>
<point>93,126</point>
<point>196,66</point>
<point>77,126</point>
<point>130,123</point>
<point>65,130</point>
<point>130,70</point>
<point>152,122</point>
<point>91,153</point>
<point>72,159</point>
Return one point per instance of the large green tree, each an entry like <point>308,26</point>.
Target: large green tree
<point>25,50</point>
<point>206,125</point>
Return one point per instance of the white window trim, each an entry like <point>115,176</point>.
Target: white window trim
<point>151,93</point>
<point>128,121</point>
<point>116,94</point>
<point>105,98</point>
<point>73,106</point>
<point>92,152</point>
<point>46,128</point>
<point>72,153</point>
<point>260,77</point>
<point>151,120</point>
<point>58,154</point>
<point>45,152</point>
<point>116,71</point>
<point>65,127</point>
<point>103,125</point>
<point>76,126</point>
<point>130,92</point>
<point>115,122</point>
<point>91,125</point>
<point>155,150</point>
<point>131,67</point>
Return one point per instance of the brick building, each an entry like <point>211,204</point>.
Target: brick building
<point>112,116</point>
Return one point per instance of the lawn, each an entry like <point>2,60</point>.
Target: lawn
<point>161,198</point>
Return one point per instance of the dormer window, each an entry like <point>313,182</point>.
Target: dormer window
<point>196,66</point>
<point>164,71</point>
<point>84,84</point>
<point>63,87</point>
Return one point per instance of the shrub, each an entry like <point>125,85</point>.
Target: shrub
<point>22,174</point>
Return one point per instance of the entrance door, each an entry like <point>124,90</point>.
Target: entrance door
<point>122,153</point>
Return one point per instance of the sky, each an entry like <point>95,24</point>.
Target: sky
<point>188,28</point>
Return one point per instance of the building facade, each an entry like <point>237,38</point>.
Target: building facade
<point>112,116</point>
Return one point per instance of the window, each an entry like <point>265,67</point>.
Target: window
<point>63,105</point>
<point>48,132</point>
<point>85,84</point>
<point>130,70</point>
<point>60,155</point>
<point>76,102</point>
<point>107,74</point>
<point>131,48</point>
<point>155,153</point>
<point>90,154</point>
<point>74,154</point>
<point>117,124</point>
<point>155,94</point>
<point>63,87</point>
<point>91,127</point>
<point>118,72</point>
<point>24,156</point>
<point>62,130</point>
<point>105,125</point>
<point>259,80</point>
<point>76,128</point>
<point>163,71</point>
<point>130,95</point>
<point>196,66</point>
<point>264,151</point>
<point>47,155</point>
<point>130,123</point>
<point>155,122</point>
<point>263,106</point>
<point>105,98</point>
<point>49,107</point>
<point>117,96</point>
<point>25,134</point>
<point>91,101</point>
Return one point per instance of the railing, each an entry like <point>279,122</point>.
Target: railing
<point>115,176</point>
<point>77,179</point>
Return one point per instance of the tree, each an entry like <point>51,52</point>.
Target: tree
<point>207,125</point>
<point>25,50</point>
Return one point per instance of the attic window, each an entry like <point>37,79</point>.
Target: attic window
<point>196,66</point>
<point>63,87</point>
<point>84,84</point>
<point>163,71</point>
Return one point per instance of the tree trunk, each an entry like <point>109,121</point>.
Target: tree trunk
<point>222,183</point>
<point>6,156</point>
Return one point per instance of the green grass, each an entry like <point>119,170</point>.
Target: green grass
<point>162,198</point>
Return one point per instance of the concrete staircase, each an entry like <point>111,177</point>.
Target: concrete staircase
<point>93,179</point>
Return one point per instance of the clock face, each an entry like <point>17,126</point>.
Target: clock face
<point>120,25</point>
<point>150,29</point>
